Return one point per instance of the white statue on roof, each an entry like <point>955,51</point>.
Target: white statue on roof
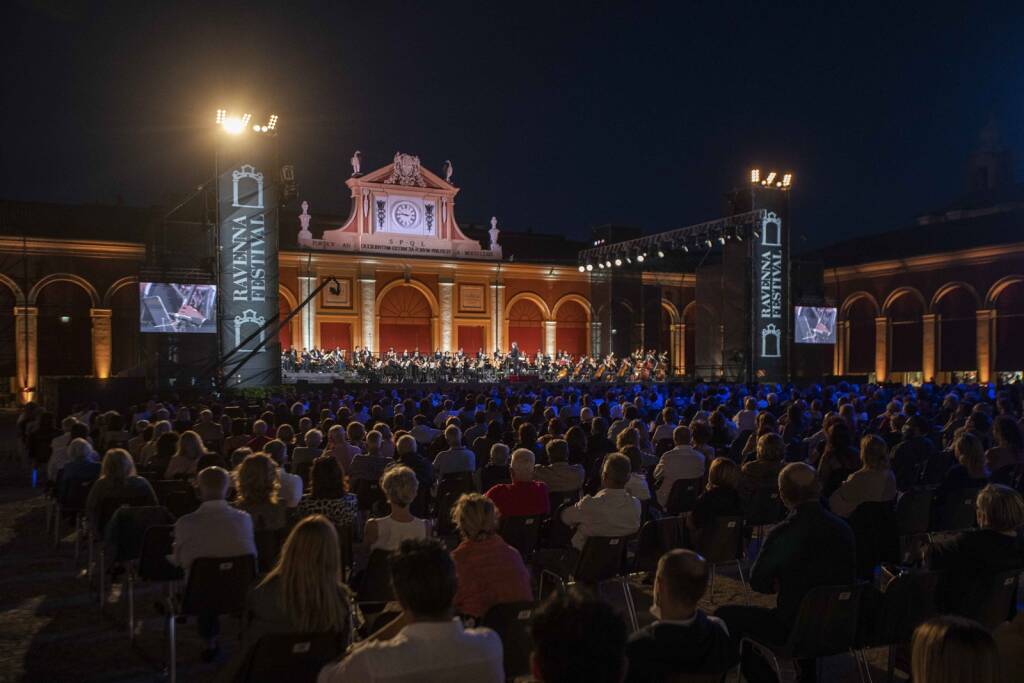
<point>449,171</point>
<point>357,162</point>
<point>494,232</point>
<point>304,218</point>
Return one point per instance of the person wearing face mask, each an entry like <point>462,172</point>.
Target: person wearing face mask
<point>683,640</point>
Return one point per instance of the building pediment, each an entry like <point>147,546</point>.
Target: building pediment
<point>405,171</point>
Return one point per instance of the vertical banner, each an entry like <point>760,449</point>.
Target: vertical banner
<point>771,301</point>
<point>248,240</point>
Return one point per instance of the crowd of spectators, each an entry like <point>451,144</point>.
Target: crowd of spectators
<point>429,482</point>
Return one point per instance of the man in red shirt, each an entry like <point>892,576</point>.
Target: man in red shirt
<point>524,496</point>
<point>259,436</point>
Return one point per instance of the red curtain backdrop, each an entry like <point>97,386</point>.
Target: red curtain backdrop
<point>284,335</point>
<point>405,337</point>
<point>530,339</point>
<point>471,338</point>
<point>335,335</point>
<point>525,326</point>
<point>571,339</point>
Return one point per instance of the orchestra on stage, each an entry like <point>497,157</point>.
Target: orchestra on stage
<point>392,367</point>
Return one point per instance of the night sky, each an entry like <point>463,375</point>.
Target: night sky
<point>557,116</point>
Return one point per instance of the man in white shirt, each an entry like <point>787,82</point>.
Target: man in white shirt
<point>612,512</point>
<point>746,419</point>
<point>682,462</point>
<point>457,458</point>
<point>447,410</point>
<point>423,432</point>
<point>214,530</point>
<point>670,420</point>
<point>209,431</point>
<point>560,476</point>
<point>59,448</point>
<point>426,643</point>
<point>291,484</point>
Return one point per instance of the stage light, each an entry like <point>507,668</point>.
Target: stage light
<point>221,113</point>
<point>756,233</point>
<point>608,263</point>
<point>590,267</point>
<point>721,239</point>
<point>246,118</point>
<point>640,258</point>
<point>755,175</point>
<point>582,269</point>
<point>271,124</point>
<point>787,180</point>
<point>739,235</point>
<point>707,243</point>
<point>618,262</point>
<point>685,248</point>
<point>256,129</point>
<point>600,265</point>
<point>771,177</point>
<point>233,125</point>
<point>661,254</point>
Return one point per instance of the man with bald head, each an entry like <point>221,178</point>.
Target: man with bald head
<point>810,548</point>
<point>682,640</point>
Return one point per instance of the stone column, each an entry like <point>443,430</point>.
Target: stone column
<point>445,292</point>
<point>840,350</point>
<point>986,351</point>
<point>307,316</point>
<point>549,337</point>
<point>498,302</point>
<point>102,341</point>
<point>26,346</point>
<point>368,312</point>
<point>679,349</point>
<point>595,338</point>
<point>881,348</point>
<point>930,351</point>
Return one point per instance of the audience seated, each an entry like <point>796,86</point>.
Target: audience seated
<point>683,639</point>
<point>721,498</point>
<point>457,458</point>
<point>970,471</point>
<point>763,471</point>
<point>810,548</point>
<point>559,476</point>
<point>59,446</point>
<point>426,643</point>
<point>637,485</point>
<point>995,546</point>
<point>306,454</point>
<point>259,437</point>
<point>214,530</point>
<point>496,470</point>
<point>577,638</point>
<point>489,571</point>
<point>184,461</point>
<point>911,457</point>
<point>839,459</point>
<point>872,483</point>
<point>369,466</point>
<point>209,431</point>
<point>257,486</point>
<point>399,485</point>
<point>611,512</point>
<point>290,484</point>
<point>681,462</point>
<point>951,649</point>
<point>524,496</point>
<point>117,480</point>
<point>328,494</point>
<point>1007,454</point>
<point>81,466</point>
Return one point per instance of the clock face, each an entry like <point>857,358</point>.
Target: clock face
<point>405,214</point>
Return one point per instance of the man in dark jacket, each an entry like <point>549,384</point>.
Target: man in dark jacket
<point>683,639</point>
<point>912,455</point>
<point>810,548</point>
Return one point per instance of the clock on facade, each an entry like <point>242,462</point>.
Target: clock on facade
<point>405,214</point>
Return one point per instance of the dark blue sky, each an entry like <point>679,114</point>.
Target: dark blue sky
<point>557,115</point>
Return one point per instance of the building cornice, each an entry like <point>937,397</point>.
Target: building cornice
<point>976,256</point>
<point>39,246</point>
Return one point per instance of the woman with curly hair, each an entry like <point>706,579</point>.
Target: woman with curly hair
<point>257,485</point>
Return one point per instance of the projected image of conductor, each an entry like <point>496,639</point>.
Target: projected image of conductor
<point>815,325</point>
<point>177,309</point>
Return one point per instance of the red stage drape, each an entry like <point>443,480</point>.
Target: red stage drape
<point>336,335</point>
<point>405,337</point>
<point>471,338</point>
<point>530,339</point>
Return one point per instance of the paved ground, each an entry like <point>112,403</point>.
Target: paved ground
<point>51,628</point>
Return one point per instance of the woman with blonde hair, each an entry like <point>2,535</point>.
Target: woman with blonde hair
<point>257,485</point>
<point>117,480</point>
<point>874,482</point>
<point>304,592</point>
<point>489,571</point>
<point>400,486</point>
<point>952,649</point>
<point>183,462</point>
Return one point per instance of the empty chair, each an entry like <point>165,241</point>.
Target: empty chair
<point>990,599</point>
<point>369,495</point>
<point>656,538</point>
<point>721,544</point>
<point>215,586</point>
<point>683,496</point>
<point>602,559</point>
<point>764,508</point>
<point>152,566</point>
<point>522,532</point>
<point>957,511</point>
<point>375,585</point>
<point>290,657</point>
<point>826,625</point>
<point>511,621</point>
<point>907,601</point>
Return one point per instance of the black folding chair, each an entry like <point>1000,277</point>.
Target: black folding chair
<point>107,508</point>
<point>764,509</point>
<point>215,586</point>
<point>683,495</point>
<point>376,581</point>
<point>990,599</point>
<point>722,544</point>
<point>958,511</point>
<point>657,537</point>
<point>72,504</point>
<point>511,621</point>
<point>521,532</point>
<point>906,601</point>
<point>913,512</point>
<point>874,530</point>
<point>290,657</point>
<point>557,499</point>
<point>347,555</point>
<point>369,495</point>
<point>153,566</point>
<point>165,487</point>
<point>603,559</point>
<point>826,625</point>
<point>268,547</point>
